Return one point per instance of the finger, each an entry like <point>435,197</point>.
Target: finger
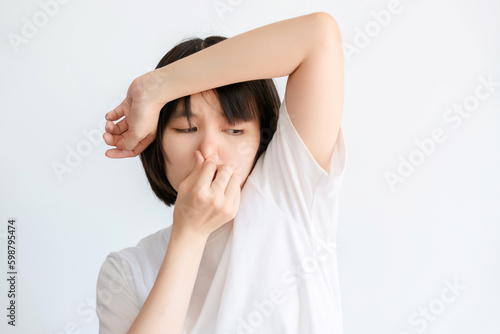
<point>110,139</point>
<point>128,140</point>
<point>192,177</point>
<point>222,178</point>
<point>207,172</point>
<point>116,113</point>
<point>115,140</point>
<point>233,189</point>
<point>198,163</point>
<point>121,141</point>
<point>141,146</point>
<point>117,153</point>
<point>118,128</point>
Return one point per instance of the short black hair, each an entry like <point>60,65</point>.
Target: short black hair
<point>242,101</point>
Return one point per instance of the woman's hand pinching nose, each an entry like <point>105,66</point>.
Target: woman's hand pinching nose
<point>208,197</point>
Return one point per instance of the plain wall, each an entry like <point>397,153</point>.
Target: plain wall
<point>409,66</point>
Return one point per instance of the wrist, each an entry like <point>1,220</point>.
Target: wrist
<point>181,231</point>
<point>152,88</point>
<point>160,85</point>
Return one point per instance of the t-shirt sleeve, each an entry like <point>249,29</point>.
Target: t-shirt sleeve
<point>116,304</point>
<point>288,174</point>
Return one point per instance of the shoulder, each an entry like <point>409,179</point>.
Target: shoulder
<point>125,280</point>
<point>140,262</point>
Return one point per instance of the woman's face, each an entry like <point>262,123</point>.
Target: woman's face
<point>211,134</point>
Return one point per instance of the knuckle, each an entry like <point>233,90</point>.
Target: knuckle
<point>218,203</point>
<point>227,169</point>
<point>209,162</point>
<point>227,210</point>
<point>200,197</point>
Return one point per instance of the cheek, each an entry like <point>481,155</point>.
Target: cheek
<point>178,159</point>
<point>177,165</point>
<point>246,149</point>
<point>244,153</point>
<point>175,149</point>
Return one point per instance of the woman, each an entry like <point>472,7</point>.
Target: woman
<point>252,245</point>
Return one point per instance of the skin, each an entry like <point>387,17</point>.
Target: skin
<point>213,136</point>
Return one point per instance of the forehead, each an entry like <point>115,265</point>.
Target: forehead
<point>207,105</point>
<point>180,112</point>
<point>194,106</point>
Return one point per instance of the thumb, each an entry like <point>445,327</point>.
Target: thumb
<point>131,138</point>
<point>199,160</point>
<point>129,142</point>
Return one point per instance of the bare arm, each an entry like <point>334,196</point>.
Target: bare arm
<point>201,207</point>
<point>166,307</point>
<point>307,48</point>
<point>273,50</point>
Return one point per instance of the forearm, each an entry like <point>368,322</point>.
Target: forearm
<point>166,307</point>
<point>270,51</point>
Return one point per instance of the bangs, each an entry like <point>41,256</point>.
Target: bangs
<point>236,100</point>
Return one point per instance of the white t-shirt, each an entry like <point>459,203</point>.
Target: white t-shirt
<point>272,270</point>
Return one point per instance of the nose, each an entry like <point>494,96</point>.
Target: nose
<point>209,144</point>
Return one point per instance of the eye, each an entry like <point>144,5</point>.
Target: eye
<point>236,132</point>
<point>232,131</point>
<point>185,130</point>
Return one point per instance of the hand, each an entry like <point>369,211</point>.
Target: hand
<point>205,203</point>
<point>137,130</point>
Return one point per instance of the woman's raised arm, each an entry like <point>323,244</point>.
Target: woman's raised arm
<point>273,50</point>
<point>270,51</point>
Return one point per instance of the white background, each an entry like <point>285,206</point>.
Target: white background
<point>397,246</point>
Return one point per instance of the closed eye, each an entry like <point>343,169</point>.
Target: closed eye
<point>185,130</point>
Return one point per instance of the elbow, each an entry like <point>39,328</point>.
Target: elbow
<point>327,29</point>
